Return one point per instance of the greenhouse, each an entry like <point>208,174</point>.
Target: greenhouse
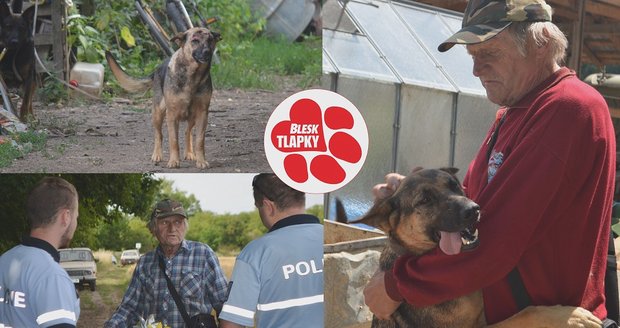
<point>422,107</point>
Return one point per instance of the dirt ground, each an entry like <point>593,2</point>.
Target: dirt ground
<point>117,137</point>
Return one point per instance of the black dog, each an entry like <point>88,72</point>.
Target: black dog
<point>17,64</point>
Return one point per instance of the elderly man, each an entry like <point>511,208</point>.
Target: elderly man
<point>543,177</point>
<point>278,278</point>
<point>35,291</point>
<point>192,267</point>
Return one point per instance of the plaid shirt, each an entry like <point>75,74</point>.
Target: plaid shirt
<point>195,272</point>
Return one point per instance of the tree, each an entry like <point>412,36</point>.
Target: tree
<point>103,199</point>
<point>190,203</point>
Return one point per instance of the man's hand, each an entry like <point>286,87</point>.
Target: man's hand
<point>392,182</point>
<point>377,299</point>
<point>555,316</point>
<point>385,190</point>
<point>569,316</point>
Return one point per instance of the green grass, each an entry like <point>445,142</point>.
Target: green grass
<point>112,280</point>
<point>263,63</point>
<point>25,142</point>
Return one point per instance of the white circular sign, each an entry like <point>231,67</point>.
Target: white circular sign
<point>316,141</point>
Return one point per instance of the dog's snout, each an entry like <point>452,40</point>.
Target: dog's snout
<point>472,211</point>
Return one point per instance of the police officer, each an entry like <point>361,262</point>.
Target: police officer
<point>278,279</point>
<point>35,291</point>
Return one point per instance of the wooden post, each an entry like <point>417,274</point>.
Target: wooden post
<point>577,37</point>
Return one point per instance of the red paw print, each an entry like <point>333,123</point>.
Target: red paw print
<point>322,139</point>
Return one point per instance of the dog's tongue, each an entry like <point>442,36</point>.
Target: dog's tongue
<point>450,242</point>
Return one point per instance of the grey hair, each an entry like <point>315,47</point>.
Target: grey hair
<point>541,33</point>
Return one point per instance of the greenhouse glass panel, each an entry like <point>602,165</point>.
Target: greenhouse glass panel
<point>327,65</point>
<point>411,62</point>
<point>354,55</point>
<point>431,29</point>
<point>424,137</point>
<point>376,103</point>
<point>474,117</point>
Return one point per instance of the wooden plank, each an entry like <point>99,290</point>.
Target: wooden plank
<point>569,14</point>
<point>611,2</point>
<point>605,28</point>
<point>577,39</point>
<point>602,9</point>
<point>615,112</point>
<point>591,55</point>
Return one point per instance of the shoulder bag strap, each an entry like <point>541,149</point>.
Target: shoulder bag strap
<point>522,298</point>
<point>174,293</point>
<point>514,277</point>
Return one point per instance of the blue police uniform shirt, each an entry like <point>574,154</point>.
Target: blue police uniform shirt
<point>35,291</point>
<point>278,278</point>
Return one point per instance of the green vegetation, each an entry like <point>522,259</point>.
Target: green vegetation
<point>114,209</point>
<point>19,144</point>
<point>246,59</point>
<point>262,63</point>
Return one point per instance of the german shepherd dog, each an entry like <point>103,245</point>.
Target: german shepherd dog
<point>428,210</point>
<point>18,63</point>
<point>182,90</point>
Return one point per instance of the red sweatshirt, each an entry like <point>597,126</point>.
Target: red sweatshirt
<point>546,208</point>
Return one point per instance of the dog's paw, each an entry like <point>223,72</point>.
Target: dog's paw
<point>156,158</point>
<point>174,163</point>
<point>189,156</point>
<point>202,164</point>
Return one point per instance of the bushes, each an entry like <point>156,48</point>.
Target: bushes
<point>247,59</point>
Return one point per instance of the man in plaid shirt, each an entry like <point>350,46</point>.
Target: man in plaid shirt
<point>192,266</point>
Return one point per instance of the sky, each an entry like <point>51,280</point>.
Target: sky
<point>222,192</point>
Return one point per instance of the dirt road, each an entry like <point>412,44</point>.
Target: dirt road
<point>117,137</point>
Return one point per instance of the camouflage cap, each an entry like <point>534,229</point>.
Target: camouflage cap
<point>484,19</point>
<point>166,208</point>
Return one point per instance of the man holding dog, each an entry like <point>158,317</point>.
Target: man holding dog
<point>544,177</point>
<point>35,291</point>
<point>278,279</point>
<point>192,268</point>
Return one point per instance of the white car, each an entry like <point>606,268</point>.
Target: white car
<point>130,256</point>
<point>80,265</point>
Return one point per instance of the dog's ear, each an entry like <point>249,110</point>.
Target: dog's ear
<point>28,15</point>
<point>382,216</point>
<point>179,38</point>
<point>216,36</point>
<point>17,6</point>
<point>5,11</point>
<point>341,214</point>
<point>451,170</point>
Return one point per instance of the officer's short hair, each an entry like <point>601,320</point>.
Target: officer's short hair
<point>269,186</point>
<point>48,196</point>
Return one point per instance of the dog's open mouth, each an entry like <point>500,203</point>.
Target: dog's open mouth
<point>469,238</point>
<point>452,243</point>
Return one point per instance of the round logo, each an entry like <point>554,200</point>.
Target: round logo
<point>316,141</point>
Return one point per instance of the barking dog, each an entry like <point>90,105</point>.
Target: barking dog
<point>182,90</point>
<point>18,62</point>
<point>428,210</point>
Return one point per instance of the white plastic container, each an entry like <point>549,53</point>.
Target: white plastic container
<point>89,77</point>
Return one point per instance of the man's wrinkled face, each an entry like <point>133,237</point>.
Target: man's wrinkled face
<point>506,75</point>
<point>170,231</point>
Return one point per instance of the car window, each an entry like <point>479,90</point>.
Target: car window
<point>75,255</point>
<point>130,253</point>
